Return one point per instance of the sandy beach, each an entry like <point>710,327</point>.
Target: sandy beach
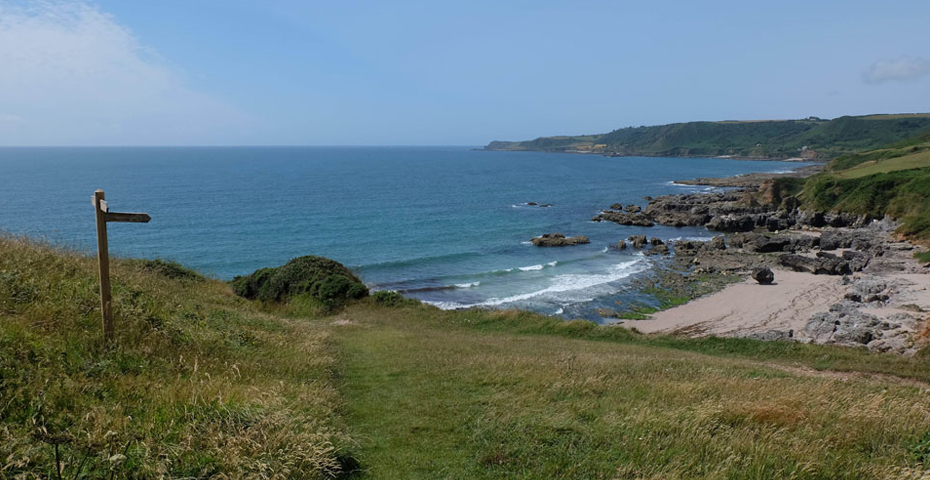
<point>747,308</point>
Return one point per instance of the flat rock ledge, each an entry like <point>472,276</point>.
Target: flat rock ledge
<point>559,240</point>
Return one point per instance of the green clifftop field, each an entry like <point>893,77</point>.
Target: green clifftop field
<point>810,138</point>
<point>892,180</point>
<point>202,383</point>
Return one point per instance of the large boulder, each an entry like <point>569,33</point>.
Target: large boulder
<point>659,250</point>
<point>829,264</point>
<point>732,223</point>
<point>636,219</point>
<point>823,264</point>
<point>687,247</point>
<point>775,224</point>
<point>321,278</point>
<point>868,290</point>
<point>758,243</point>
<point>857,260</point>
<point>832,239</point>
<point>686,210</point>
<point>845,324</point>
<point>638,241</point>
<point>763,275</point>
<point>559,240</point>
<point>811,219</point>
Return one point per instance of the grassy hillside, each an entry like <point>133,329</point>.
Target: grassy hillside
<point>893,180</point>
<point>910,146</point>
<point>824,139</point>
<point>511,395</point>
<point>200,384</point>
<point>204,384</point>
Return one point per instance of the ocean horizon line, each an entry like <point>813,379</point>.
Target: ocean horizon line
<point>241,146</point>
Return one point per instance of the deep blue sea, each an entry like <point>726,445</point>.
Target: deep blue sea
<point>448,225</point>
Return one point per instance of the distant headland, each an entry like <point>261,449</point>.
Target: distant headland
<point>810,138</point>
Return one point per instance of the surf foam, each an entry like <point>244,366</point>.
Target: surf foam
<point>561,284</point>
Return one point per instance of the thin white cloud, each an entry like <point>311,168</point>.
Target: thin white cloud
<point>900,69</point>
<point>72,75</point>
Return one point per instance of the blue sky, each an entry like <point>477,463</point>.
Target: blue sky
<point>287,72</point>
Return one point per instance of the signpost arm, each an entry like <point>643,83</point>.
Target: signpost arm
<point>103,258</point>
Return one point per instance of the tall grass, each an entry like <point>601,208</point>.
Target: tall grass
<point>198,384</point>
<point>474,395</point>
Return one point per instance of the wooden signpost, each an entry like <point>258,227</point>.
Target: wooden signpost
<point>104,215</point>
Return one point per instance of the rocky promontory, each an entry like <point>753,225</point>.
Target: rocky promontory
<point>730,211</point>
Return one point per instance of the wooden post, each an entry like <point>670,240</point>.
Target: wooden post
<point>103,258</point>
<point>104,215</point>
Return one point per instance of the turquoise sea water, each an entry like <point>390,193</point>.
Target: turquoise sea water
<point>447,225</point>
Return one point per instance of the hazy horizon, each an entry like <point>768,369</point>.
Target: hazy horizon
<point>289,73</point>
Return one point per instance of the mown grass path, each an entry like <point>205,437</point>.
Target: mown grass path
<point>426,399</point>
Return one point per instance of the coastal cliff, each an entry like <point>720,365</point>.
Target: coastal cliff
<point>811,138</point>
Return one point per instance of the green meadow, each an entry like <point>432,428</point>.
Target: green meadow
<point>201,383</point>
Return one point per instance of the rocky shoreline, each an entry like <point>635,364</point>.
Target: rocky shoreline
<point>752,180</point>
<point>871,291</point>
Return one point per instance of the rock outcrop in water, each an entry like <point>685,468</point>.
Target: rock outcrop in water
<point>638,241</point>
<point>632,216</point>
<point>559,240</point>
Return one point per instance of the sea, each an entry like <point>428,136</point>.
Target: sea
<point>450,226</point>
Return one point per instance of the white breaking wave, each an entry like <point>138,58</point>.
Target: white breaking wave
<point>537,266</point>
<point>467,285</point>
<point>676,184</point>
<point>568,283</point>
<point>691,239</point>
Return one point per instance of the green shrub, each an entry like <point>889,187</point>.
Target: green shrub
<point>335,289</point>
<point>320,278</point>
<point>388,298</point>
